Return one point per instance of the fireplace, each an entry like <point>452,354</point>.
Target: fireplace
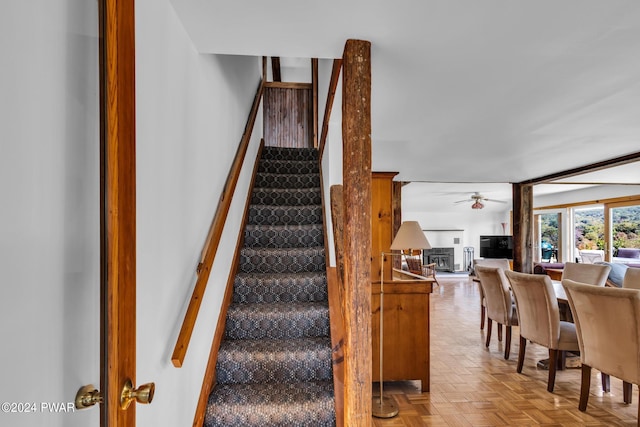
<point>441,257</point>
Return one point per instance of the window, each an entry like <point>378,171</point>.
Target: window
<point>589,228</point>
<point>602,227</point>
<point>625,226</point>
<point>549,236</point>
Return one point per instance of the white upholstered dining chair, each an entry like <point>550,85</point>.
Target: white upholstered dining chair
<point>500,305</point>
<point>539,320</point>
<point>591,256</point>
<point>592,274</point>
<point>502,263</point>
<point>605,344</point>
<point>631,278</point>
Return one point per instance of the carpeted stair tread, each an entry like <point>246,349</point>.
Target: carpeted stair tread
<point>286,196</point>
<point>280,287</point>
<point>308,404</point>
<point>288,167</point>
<point>285,215</point>
<point>289,154</point>
<point>278,180</point>
<point>283,236</point>
<point>260,361</point>
<point>274,364</point>
<point>280,320</point>
<point>281,260</point>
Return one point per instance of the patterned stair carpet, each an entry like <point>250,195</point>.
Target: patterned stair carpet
<point>274,364</point>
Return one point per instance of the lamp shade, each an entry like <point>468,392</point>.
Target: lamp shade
<point>410,236</point>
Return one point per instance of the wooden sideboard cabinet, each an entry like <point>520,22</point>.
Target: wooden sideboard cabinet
<point>406,330</point>
<point>406,302</point>
<point>385,207</point>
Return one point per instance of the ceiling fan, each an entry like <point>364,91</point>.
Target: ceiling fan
<point>478,200</point>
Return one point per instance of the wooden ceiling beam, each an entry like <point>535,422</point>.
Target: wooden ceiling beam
<point>604,164</point>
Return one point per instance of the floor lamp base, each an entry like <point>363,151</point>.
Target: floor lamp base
<point>384,407</point>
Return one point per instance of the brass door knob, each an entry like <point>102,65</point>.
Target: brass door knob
<point>87,396</point>
<point>142,394</point>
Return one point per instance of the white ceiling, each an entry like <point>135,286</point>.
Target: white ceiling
<point>467,91</point>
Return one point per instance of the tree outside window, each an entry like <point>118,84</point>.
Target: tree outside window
<point>625,227</point>
<point>589,228</point>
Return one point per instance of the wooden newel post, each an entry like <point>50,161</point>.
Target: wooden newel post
<point>356,134</point>
<point>523,228</point>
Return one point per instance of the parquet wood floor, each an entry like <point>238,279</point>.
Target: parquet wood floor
<point>472,385</point>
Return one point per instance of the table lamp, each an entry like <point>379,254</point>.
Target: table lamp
<point>409,237</point>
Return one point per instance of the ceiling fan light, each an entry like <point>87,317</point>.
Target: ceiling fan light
<point>477,205</point>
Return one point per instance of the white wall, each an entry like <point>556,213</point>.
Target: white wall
<point>474,224</point>
<point>49,216</point>
<point>191,114</point>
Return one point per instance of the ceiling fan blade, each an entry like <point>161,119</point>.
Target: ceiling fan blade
<point>493,200</point>
<point>463,201</point>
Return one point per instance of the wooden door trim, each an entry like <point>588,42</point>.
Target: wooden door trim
<point>288,85</point>
<point>118,207</point>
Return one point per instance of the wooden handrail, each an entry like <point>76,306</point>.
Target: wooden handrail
<point>334,282</point>
<point>209,380</point>
<point>213,238</point>
<point>333,84</point>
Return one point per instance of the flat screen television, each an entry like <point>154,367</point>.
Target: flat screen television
<point>496,247</point>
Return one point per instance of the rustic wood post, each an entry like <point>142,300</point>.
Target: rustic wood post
<point>356,134</point>
<point>523,228</point>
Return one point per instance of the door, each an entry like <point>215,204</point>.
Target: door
<point>117,222</point>
<point>118,217</point>
<point>288,115</point>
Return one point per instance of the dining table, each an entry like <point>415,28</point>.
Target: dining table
<point>561,295</point>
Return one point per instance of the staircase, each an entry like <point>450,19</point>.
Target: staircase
<point>274,364</point>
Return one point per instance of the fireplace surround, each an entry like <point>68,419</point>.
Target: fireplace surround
<point>443,258</point>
